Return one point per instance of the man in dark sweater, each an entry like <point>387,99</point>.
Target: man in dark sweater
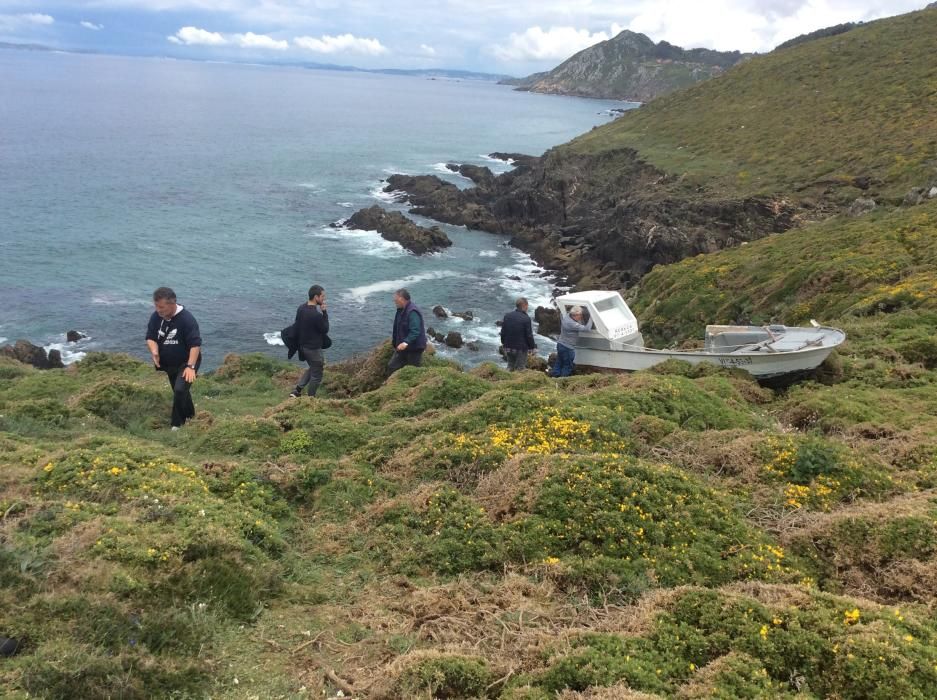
<point>175,344</point>
<point>517,336</point>
<point>312,325</point>
<point>409,334</point>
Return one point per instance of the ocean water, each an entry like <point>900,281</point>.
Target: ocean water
<point>119,175</point>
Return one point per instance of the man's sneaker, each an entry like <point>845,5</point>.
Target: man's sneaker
<point>175,427</point>
<point>294,394</point>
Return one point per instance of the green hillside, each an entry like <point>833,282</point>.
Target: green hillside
<point>469,534</point>
<point>805,120</point>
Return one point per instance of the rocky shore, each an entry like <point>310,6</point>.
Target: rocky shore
<point>394,226</point>
<point>601,221</point>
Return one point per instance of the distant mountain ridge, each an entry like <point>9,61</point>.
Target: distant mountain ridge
<point>630,66</point>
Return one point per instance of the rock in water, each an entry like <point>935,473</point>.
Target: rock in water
<point>464,315</point>
<point>439,312</point>
<point>394,226</point>
<point>435,335</point>
<point>29,354</point>
<point>473,345</point>
<point>74,336</point>
<point>454,340</point>
<point>548,321</point>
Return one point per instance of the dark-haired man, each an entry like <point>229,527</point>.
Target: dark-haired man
<point>409,334</point>
<point>312,325</point>
<point>175,344</point>
<point>517,336</point>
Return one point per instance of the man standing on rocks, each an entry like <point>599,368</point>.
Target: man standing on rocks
<point>409,334</point>
<point>517,336</point>
<point>176,347</point>
<point>312,325</point>
<point>570,328</point>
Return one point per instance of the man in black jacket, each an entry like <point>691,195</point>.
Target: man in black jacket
<point>517,336</point>
<point>175,344</point>
<point>312,325</point>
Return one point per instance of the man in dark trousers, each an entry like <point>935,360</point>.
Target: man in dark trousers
<point>312,325</point>
<point>176,347</point>
<point>517,336</point>
<point>409,335</point>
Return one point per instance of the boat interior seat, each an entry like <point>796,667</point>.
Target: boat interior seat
<point>729,340</point>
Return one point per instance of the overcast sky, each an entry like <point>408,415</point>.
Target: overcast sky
<point>502,36</point>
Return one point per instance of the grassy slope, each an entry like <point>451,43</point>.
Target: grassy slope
<point>856,105</point>
<point>467,534</point>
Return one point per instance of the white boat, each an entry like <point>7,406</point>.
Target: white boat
<point>614,341</point>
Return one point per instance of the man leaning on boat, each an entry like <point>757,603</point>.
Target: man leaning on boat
<point>570,328</point>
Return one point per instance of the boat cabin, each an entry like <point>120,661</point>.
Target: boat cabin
<point>612,324</point>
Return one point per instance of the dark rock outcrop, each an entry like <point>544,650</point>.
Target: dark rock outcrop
<point>518,159</point>
<point>473,345</point>
<point>454,339</point>
<point>602,221</point>
<point>74,336</point>
<point>27,353</point>
<point>464,315</point>
<point>440,312</point>
<point>479,174</point>
<point>548,321</point>
<point>394,226</point>
<point>435,335</point>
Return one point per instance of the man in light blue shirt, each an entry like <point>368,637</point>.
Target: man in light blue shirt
<point>570,328</point>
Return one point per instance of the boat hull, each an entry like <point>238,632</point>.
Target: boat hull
<point>760,365</point>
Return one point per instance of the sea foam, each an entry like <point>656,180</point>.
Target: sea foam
<point>360,294</point>
<point>274,338</point>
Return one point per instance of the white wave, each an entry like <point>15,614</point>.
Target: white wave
<point>274,338</point>
<point>441,168</point>
<point>69,355</point>
<point>488,253</point>
<point>346,205</point>
<point>308,185</point>
<point>508,161</point>
<point>360,294</point>
<point>393,197</point>
<point>111,300</point>
<point>496,165</point>
<point>366,242</point>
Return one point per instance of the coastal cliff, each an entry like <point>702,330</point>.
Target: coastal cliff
<point>629,66</point>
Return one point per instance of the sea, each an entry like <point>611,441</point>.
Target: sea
<point>223,181</point>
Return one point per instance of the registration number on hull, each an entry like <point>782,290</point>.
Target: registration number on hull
<point>735,361</point>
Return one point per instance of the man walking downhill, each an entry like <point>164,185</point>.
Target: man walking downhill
<point>517,336</point>
<point>312,325</point>
<point>570,328</point>
<point>175,344</point>
<point>409,334</point>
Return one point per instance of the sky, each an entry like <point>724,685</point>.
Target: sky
<point>514,37</point>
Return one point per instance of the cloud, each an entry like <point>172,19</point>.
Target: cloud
<point>536,44</point>
<point>193,36</point>
<point>343,43</point>
<point>33,19</point>
<point>427,50</point>
<point>91,25</point>
<point>260,41</point>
